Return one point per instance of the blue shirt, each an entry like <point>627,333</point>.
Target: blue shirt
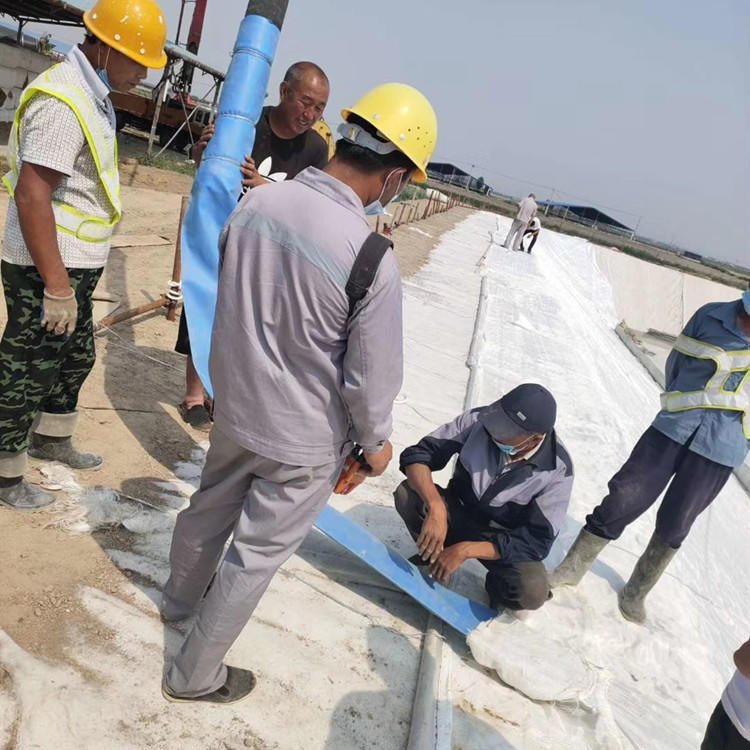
<point>718,433</point>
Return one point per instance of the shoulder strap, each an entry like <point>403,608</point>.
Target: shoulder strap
<point>365,267</point>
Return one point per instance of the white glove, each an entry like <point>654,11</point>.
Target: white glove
<point>59,314</point>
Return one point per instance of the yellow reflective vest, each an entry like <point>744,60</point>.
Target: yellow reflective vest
<point>69,219</point>
<point>713,395</point>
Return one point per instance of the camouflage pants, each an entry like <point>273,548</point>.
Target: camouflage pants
<point>41,371</point>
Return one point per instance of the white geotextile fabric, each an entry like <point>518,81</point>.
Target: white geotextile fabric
<point>550,319</point>
<point>650,296</point>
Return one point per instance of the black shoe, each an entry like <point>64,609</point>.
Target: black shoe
<point>196,416</point>
<point>239,684</point>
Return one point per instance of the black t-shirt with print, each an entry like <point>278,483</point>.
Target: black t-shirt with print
<point>284,158</point>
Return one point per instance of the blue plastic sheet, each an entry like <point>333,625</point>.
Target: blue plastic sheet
<point>218,181</point>
<point>459,612</point>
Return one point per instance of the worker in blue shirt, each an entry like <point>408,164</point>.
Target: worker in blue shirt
<point>699,436</point>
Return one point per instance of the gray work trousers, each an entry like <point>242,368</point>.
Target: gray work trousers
<point>268,507</point>
<point>513,240</point>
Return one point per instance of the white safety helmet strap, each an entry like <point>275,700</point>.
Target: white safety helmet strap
<point>354,133</point>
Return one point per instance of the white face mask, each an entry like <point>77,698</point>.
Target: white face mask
<point>376,208</point>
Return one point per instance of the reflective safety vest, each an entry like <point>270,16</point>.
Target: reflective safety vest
<point>69,219</point>
<point>714,395</point>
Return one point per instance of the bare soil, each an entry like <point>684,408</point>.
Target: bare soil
<point>128,414</point>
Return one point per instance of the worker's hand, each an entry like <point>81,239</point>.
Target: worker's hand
<point>448,562</point>
<point>378,462</point>
<point>60,313</point>
<point>250,176</point>
<point>434,530</point>
<point>201,143</point>
<point>742,659</point>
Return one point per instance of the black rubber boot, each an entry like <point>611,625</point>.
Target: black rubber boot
<point>579,559</point>
<point>59,449</point>
<point>239,684</point>
<point>648,570</point>
<point>19,494</point>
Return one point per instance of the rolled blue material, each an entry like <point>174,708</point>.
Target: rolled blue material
<point>218,181</point>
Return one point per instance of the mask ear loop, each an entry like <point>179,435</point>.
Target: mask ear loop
<point>385,182</point>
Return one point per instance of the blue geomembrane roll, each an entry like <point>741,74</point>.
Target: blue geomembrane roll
<point>218,181</point>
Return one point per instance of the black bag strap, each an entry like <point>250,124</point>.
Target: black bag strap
<point>365,267</point>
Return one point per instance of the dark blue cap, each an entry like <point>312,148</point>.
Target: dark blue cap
<point>528,408</point>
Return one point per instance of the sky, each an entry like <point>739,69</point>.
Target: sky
<point>639,108</point>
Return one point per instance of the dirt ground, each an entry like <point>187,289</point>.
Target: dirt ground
<point>127,413</point>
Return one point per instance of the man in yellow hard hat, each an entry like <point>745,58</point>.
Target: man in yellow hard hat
<point>306,360</point>
<point>65,201</point>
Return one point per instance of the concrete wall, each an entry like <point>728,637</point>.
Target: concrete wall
<point>18,66</point>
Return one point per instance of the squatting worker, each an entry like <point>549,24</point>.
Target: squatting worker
<point>297,379</point>
<point>532,231</point>
<point>65,200</point>
<point>286,142</point>
<point>505,502</point>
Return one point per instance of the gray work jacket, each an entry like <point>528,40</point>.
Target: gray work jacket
<point>295,379</point>
<point>521,503</point>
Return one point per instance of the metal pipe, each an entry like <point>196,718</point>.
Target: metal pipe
<point>218,182</point>
<point>157,112</point>
<point>425,730</point>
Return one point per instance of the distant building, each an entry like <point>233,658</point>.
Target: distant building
<point>588,215</point>
<point>454,175</point>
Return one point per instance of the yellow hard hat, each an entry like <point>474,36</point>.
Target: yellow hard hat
<point>404,117</point>
<point>134,27</point>
<point>322,129</point>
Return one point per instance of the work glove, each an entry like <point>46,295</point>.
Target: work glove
<point>59,314</point>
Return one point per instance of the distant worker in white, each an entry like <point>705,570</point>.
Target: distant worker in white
<point>532,231</point>
<point>526,212</point>
<point>65,202</point>
<point>306,359</point>
<point>729,725</point>
<point>699,436</point>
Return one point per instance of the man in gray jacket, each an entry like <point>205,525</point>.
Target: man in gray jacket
<point>298,377</point>
<point>505,502</point>
<point>526,212</point>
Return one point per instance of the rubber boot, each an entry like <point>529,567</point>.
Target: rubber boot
<point>649,568</point>
<point>579,559</point>
<point>20,495</point>
<point>61,449</point>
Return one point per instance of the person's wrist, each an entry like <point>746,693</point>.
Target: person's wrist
<point>436,506</point>
<point>59,291</point>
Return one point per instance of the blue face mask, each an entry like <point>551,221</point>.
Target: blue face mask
<point>376,208</point>
<point>509,450</point>
<point>746,301</point>
<point>104,76</point>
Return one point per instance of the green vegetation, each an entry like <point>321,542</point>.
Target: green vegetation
<point>165,162</point>
<point>412,192</point>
